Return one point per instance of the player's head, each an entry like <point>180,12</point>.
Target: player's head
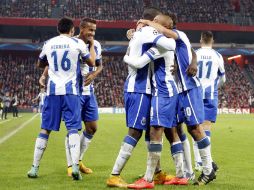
<point>66,26</point>
<point>206,38</point>
<point>174,19</point>
<point>164,20</point>
<point>150,13</point>
<point>87,28</point>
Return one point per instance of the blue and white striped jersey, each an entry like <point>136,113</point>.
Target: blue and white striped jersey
<point>138,80</point>
<point>163,82</point>
<point>210,68</point>
<point>63,56</point>
<point>184,58</point>
<point>85,69</point>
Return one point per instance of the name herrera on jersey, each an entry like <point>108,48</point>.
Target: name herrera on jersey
<point>62,46</point>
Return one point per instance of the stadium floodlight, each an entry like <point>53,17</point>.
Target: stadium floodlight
<point>234,57</point>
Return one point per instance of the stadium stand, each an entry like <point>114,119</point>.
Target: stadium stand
<point>109,84</point>
<point>229,11</point>
<point>25,82</point>
<point>236,92</point>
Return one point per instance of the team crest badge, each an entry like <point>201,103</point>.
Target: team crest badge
<point>143,121</point>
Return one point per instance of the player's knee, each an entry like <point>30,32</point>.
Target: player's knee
<point>156,133</point>
<point>44,131</point>
<point>135,133</point>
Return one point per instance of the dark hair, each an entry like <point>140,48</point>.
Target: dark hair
<point>173,17</point>
<point>150,12</point>
<point>65,25</point>
<point>206,36</point>
<point>84,21</point>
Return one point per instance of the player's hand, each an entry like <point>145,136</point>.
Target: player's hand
<point>192,70</point>
<point>42,80</point>
<point>91,42</point>
<point>173,69</point>
<point>130,33</point>
<point>89,78</point>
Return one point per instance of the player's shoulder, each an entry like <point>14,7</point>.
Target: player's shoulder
<point>148,30</point>
<point>216,53</point>
<point>97,44</point>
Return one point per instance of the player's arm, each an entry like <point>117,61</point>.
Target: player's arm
<point>42,61</point>
<point>88,56</point>
<point>92,75</point>
<point>167,32</point>
<point>193,67</point>
<point>44,76</point>
<point>165,43</point>
<point>221,72</point>
<point>141,61</point>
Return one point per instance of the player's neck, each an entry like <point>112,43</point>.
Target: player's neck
<point>82,38</point>
<point>206,45</point>
<point>67,35</point>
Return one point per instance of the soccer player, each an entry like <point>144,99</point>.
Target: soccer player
<point>63,56</point>
<point>137,94</point>
<point>190,105</point>
<point>89,106</point>
<point>163,103</point>
<point>15,106</point>
<point>211,74</point>
<point>40,96</point>
<point>6,104</point>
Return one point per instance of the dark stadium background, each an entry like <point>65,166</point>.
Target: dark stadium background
<point>26,24</point>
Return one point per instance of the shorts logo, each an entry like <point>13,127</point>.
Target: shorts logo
<point>187,113</point>
<point>143,121</point>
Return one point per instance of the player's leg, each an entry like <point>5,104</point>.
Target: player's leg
<point>177,155</point>
<point>194,116</point>
<point>137,108</point>
<point>188,170</point>
<point>161,117</point>
<point>89,115</point>
<point>49,122</point>
<point>210,108</point>
<point>72,118</point>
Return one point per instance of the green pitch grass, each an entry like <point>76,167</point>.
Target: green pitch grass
<point>232,149</point>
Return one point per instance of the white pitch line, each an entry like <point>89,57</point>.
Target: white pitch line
<point>4,121</point>
<point>6,137</point>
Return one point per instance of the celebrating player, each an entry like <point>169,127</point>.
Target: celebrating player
<point>89,106</point>
<point>164,99</point>
<point>137,94</point>
<point>211,74</point>
<point>63,56</point>
<point>190,104</point>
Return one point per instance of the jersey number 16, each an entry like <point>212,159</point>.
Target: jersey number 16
<point>65,62</point>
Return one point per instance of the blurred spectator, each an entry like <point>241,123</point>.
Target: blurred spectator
<point>237,90</point>
<point>187,10</point>
<point>20,76</point>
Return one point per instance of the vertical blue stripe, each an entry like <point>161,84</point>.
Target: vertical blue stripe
<point>52,88</point>
<point>79,79</point>
<point>175,91</point>
<point>141,78</point>
<point>68,88</point>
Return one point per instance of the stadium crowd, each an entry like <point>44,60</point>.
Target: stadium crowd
<point>19,76</point>
<point>197,11</point>
<point>109,84</point>
<point>237,90</point>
